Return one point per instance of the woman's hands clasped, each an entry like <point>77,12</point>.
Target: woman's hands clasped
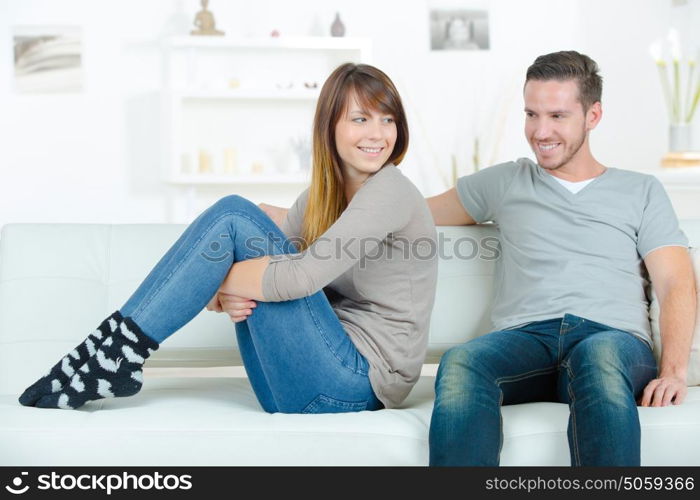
<point>238,308</point>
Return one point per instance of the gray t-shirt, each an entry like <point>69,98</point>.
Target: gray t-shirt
<point>378,266</point>
<point>572,253</point>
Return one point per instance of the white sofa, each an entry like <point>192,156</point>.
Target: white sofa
<point>58,281</point>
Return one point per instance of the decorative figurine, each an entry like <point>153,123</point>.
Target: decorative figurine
<point>337,28</point>
<point>204,20</point>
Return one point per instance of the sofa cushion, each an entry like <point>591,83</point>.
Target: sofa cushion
<point>655,311</point>
<point>217,421</point>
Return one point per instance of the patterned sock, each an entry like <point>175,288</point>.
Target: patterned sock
<point>114,371</point>
<point>62,371</point>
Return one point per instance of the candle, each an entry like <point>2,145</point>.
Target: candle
<point>230,161</point>
<point>204,162</point>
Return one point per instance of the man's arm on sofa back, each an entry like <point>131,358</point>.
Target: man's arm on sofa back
<point>447,210</point>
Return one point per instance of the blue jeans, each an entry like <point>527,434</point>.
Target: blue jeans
<point>597,370</point>
<point>296,353</point>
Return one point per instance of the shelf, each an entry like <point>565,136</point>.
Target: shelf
<point>683,178</point>
<point>252,179</point>
<point>245,98</point>
<point>260,94</point>
<point>282,42</point>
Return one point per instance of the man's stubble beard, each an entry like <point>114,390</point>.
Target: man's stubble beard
<point>568,158</point>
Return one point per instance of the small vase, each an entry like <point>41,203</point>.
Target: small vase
<point>679,137</point>
<point>337,28</point>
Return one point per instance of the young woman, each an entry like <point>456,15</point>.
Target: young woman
<point>342,293</point>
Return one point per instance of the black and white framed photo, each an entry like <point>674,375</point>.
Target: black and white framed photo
<point>459,29</point>
<point>47,59</point>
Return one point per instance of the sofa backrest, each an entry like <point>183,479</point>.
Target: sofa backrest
<point>58,281</point>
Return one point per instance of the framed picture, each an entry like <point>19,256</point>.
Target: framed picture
<point>459,29</point>
<point>47,60</point>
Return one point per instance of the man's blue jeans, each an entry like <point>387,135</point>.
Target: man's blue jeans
<point>296,353</point>
<point>597,370</point>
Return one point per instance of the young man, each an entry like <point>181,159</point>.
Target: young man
<point>579,243</point>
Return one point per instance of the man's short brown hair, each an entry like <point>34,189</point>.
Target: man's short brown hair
<point>570,65</point>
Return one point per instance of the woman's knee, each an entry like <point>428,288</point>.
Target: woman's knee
<point>253,219</point>
<point>234,203</point>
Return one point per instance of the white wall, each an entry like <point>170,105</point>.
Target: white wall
<point>94,156</point>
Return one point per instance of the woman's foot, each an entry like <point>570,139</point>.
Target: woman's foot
<point>61,372</point>
<point>114,371</point>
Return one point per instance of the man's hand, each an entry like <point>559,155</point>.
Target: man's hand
<point>277,214</point>
<point>238,308</point>
<point>664,391</point>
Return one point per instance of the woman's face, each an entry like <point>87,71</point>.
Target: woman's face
<point>364,139</point>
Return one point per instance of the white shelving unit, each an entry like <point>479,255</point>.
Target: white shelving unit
<point>684,178</point>
<point>213,179</point>
<point>287,42</point>
<point>238,111</point>
<point>261,94</point>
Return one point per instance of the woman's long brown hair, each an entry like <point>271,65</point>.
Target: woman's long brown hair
<point>373,91</point>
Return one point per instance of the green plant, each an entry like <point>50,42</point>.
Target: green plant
<point>680,110</point>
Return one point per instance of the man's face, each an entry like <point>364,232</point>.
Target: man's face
<point>555,124</point>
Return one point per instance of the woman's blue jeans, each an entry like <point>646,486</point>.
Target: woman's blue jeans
<point>296,353</point>
<point>597,370</point>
